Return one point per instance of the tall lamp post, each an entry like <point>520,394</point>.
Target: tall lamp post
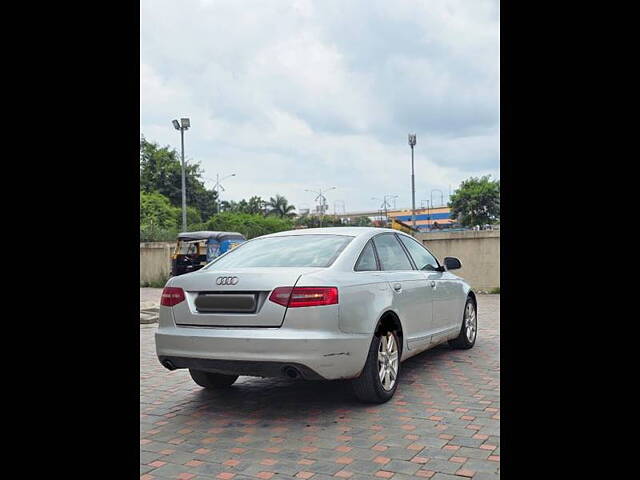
<point>412,143</point>
<point>183,125</point>
<point>322,198</point>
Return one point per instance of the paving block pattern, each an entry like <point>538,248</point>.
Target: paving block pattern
<point>443,422</point>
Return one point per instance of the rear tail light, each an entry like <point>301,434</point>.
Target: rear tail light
<point>304,296</point>
<point>171,296</point>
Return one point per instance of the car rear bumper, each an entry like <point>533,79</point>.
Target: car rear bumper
<point>264,352</point>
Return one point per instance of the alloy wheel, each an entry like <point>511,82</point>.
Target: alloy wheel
<point>388,360</point>
<point>470,322</point>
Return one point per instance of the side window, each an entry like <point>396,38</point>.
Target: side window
<point>367,260</point>
<point>391,253</point>
<point>421,256</point>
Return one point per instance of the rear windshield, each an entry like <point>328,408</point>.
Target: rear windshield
<point>289,251</point>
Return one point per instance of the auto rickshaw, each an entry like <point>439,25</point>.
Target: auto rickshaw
<point>195,249</point>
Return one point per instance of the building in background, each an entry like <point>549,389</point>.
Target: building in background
<point>427,219</point>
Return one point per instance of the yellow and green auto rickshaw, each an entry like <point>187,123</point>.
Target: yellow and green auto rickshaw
<point>195,249</point>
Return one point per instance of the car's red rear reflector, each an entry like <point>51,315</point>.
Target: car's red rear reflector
<point>281,295</point>
<point>304,296</point>
<point>171,296</point>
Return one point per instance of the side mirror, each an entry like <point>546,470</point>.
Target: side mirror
<point>452,263</point>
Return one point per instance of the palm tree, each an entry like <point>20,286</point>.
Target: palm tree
<point>280,206</point>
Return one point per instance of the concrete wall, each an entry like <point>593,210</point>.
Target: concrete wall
<point>478,251</point>
<point>155,262</point>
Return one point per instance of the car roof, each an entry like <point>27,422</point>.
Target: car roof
<point>349,231</point>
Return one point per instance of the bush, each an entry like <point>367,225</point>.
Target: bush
<point>247,224</point>
<point>152,233</point>
<point>157,211</point>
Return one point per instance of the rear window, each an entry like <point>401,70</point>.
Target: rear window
<point>286,251</point>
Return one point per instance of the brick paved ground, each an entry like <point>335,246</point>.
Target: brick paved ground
<point>443,422</point>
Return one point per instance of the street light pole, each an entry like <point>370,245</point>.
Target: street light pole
<point>184,185</point>
<point>323,200</point>
<point>387,204</point>
<point>412,143</point>
<point>183,125</point>
<point>218,186</point>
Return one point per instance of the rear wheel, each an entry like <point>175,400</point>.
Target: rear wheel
<point>212,380</point>
<point>379,379</point>
<point>469,330</point>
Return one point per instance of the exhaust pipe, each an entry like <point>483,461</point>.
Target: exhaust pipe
<point>168,365</point>
<point>291,372</point>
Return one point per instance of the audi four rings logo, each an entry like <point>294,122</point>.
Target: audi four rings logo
<point>226,280</point>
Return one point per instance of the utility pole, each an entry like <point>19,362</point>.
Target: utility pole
<point>323,200</point>
<point>383,206</point>
<point>218,186</point>
<point>387,204</point>
<point>412,143</point>
<point>184,185</point>
<point>183,125</point>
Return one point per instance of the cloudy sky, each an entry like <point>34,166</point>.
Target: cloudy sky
<point>302,94</point>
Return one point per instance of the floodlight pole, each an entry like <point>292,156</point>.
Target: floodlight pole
<point>183,125</point>
<point>184,186</point>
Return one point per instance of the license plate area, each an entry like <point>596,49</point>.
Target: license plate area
<point>212,302</point>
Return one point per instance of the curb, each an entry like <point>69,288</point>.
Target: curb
<point>149,315</point>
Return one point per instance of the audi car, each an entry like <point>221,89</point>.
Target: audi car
<point>315,304</point>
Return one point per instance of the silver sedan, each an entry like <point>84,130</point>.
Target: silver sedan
<point>323,303</point>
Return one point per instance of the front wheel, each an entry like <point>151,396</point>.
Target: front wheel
<point>379,379</point>
<point>469,330</point>
<point>212,380</point>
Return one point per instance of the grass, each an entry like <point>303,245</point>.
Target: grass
<point>155,283</point>
<point>495,290</point>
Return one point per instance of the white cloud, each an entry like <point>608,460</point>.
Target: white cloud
<point>303,94</point>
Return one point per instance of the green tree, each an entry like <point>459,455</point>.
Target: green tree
<point>161,171</point>
<point>280,206</point>
<point>313,221</point>
<point>256,205</point>
<point>362,222</point>
<point>156,210</point>
<point>193,216</point>
<point>248,224</point>
<point>476,201</point>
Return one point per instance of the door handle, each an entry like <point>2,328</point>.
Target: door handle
<point>397,287</point>
<point>433,284</point>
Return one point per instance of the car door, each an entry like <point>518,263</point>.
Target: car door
<point>412,295</point>
<point>440,282</point>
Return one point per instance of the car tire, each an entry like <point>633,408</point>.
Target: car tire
<point>469,329</point>
<point>368,387</point>
<point>212,380</point>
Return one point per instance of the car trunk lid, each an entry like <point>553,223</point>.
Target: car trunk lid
<point>233,298</point>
